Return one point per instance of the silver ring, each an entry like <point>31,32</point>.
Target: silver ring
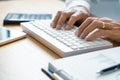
<point>103,23</point>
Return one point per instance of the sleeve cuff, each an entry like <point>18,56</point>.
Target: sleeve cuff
<point>78,3</point>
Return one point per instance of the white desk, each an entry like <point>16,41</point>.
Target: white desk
<point>23,59</point>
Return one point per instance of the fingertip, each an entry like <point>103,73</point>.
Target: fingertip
<point>88,39</point>
<point>82,36</point>
<point>58,27</point>
<point>53,25</point>
<point>76,33</point>
<point>67,27</point>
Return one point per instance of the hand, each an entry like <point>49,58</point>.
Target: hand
<point>69,17</point>
<point>99,27</point>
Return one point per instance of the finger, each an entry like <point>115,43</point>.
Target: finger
<point>96,35</point>
<point>76,16</point>
<point>112,25</point>
<point>64,16</point>
<point>55,20</point>
<point>94,25</point>
<point>72,20</point>
<point>107,26</point>
<point>84,25</point>
<point>116,28</point>
<point>100,33</point>
<point>106,19</point>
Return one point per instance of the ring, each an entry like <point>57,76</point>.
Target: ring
<point>96,19</point>
<point>103,25</point>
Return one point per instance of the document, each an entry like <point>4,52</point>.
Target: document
<point>97,65</point>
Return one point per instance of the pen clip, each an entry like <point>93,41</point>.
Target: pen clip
<point>57,77</point>
<point>110,69</point>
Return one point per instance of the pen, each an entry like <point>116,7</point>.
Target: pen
<point>47,73</point>
<point>57,75</point>
<point>109,69</point>
<point>52,76</point>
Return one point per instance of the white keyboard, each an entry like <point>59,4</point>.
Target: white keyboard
<point>62,42</point>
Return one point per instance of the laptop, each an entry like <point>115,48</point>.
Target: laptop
<point>62,42</point>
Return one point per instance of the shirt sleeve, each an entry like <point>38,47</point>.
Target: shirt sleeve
<point>72,3</point>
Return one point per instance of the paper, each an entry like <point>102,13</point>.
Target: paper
<point>85,66</point>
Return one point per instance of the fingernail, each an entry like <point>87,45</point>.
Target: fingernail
<point>81,36</point>
<point>58,27</point>
<point>76,33</point>
<point>67,27</point>
<point>53,25</point>
<point>88,39</point>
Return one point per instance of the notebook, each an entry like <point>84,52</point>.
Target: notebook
<point>86,66</point>
<point>62,42</point>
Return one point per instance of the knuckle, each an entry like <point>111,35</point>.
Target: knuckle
<point>95,21</point>
<point>99,23</point>
<point>83,14</point>
<point>90,18</point>
<point>59,12</point>
<point>64,13</point>
<point>74,17</point>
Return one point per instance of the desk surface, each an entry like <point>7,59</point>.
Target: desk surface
<point>23,59</point>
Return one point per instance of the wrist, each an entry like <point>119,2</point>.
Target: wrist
<point>83,9</point>
<point>80,6</point>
